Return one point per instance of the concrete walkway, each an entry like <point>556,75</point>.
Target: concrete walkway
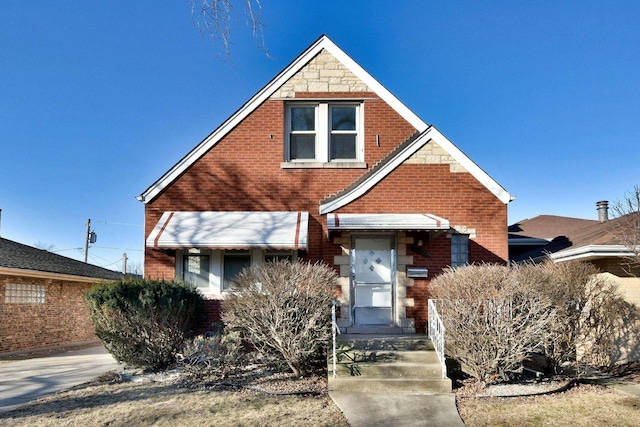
<point>25,380</point>
<point>398,409</point>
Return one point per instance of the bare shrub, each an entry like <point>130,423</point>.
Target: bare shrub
<point>284,309</point>
<point>492,322</point>
<point>495,315</point>
<point>589,314</point>
<point>216,355</point>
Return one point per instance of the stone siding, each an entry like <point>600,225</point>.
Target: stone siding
<point>324,73</point>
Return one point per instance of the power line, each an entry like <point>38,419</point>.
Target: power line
<point>118,249</point>
<point>119,223</point>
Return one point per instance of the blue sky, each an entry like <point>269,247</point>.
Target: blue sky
<point>99,99</point>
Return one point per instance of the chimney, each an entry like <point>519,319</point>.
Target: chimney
<point>603,210</point>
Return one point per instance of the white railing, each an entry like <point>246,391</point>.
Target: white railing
<point>436,334</point>
<point>334,330</point>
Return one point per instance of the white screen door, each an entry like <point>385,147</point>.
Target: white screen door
<point>372,280</point>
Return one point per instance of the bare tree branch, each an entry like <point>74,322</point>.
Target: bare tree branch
<point>627,212</point>
<point>215,19</point>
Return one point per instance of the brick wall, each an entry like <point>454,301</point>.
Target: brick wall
<point>243,172</point>
<point>62,320</point>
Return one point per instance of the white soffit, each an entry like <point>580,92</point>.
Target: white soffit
<point>588,252</point>
<point>230,230</point>
<point>264,94</point>
<point>339,221</point>
<point>430,134</point>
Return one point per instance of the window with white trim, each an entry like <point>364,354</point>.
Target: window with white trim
<point>195,270</point>
<point>232,263</point>
<point>324,132</point>
<point>213,271</point>
<point>459,250</point>
<point>274,256</point>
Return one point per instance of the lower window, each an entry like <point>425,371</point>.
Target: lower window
<point>233,263</point>
<point>18,293</point>
<point>195,269</point>
<point>459,250</point>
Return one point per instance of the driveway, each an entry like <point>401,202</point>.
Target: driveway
<point>25,380</point>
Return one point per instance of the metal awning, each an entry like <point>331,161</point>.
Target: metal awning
<point>230,230</point>
<point>337,221</point>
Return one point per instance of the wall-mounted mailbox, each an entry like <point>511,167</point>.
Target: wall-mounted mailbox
<point>417,272</point>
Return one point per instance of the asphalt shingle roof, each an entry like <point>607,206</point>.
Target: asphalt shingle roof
<point>17,255</point>
<point>565,232</point>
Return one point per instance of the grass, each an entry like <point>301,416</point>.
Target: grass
<point>157,404</point>
<point>581,406</point>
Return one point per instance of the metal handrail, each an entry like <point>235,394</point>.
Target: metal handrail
<point>334,330</point>
<point>437,335</point>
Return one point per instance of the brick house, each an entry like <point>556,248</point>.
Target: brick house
<point>324,163</point>
<point>42,301</point>
<point>598,242</point>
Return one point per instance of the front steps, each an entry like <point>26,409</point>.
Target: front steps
<point>386,363</point>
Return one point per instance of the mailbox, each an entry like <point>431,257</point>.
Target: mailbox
<point>417,272</point>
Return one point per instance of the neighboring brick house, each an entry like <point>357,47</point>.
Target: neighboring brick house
<point>42,301</point>
<point>324,163</point>
<point>598,242</point>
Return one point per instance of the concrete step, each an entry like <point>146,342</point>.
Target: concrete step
<point>386,363</point>
<point>385,356</point>
<point>384,342</point>
<point>389,385</point>
<point>389,370</point>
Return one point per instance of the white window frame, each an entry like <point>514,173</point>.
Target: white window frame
<point>323,131</point>
<point>216,266</point>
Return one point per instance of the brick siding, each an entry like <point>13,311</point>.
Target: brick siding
<point>62,320</point>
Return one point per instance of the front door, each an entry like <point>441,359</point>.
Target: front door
<point>372,276</point>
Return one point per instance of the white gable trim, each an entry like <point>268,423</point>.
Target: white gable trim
<point>264,94</point>
<point>430,134</point>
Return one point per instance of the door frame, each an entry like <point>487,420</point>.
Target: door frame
<point>394,266</point>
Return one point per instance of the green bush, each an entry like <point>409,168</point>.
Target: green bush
<point>143,323</point>
<point>284,309</point>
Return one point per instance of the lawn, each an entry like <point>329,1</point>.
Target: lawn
<point>581,406</point>
<point>169,404</point>
<point>165,400</point>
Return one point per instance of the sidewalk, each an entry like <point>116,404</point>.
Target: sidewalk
<point>398,409</point>
<point>25,380</point>
<point>621,385</point>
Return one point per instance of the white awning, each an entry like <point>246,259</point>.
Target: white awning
<point>386,222</point>
<point>230,230</point>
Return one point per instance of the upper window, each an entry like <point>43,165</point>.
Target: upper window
<point>324,132</point>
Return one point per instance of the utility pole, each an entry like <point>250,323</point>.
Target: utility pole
<point>91,237</point>
<point>124,264</point>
